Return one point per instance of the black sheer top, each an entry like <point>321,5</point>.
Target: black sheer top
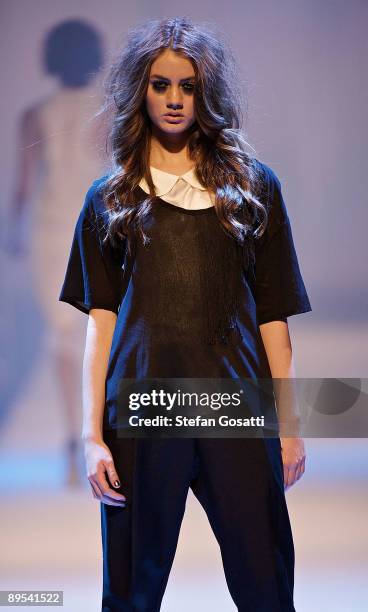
<point>188,303</point>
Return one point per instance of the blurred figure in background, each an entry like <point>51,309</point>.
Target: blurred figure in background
<point>59,156</point>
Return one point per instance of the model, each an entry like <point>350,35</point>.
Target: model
<point>184,261</point>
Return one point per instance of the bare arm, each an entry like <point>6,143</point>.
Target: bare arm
<point>100,330</point>
<point>277,343</point>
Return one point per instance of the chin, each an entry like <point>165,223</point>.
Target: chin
<point>172,128</point>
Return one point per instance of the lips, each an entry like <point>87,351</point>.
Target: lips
<point>173,115</point>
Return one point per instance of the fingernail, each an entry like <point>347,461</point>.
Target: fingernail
<point>116,483</point>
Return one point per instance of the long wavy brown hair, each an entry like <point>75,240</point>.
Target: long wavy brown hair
<point>215,142</point>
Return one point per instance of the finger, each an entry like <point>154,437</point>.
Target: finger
<point>298,472</point>
<point>106,489</point>
<point>96,491</point>
<point>287,474</point>
<point>112,474</point>
<point>104,499</point>
<point>111,494</point>
<point>291,475</point>
<point>108,502</point>
<point>300,468</point>
<point>287,483</point>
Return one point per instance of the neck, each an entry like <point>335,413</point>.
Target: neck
<point>165,148</point>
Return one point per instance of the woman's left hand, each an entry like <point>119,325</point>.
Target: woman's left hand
<point>293,458</point>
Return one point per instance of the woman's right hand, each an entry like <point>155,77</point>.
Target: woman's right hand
<point>99,461</point>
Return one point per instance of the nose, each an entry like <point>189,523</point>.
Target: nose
<point>175,105</point>
<point>174,99</point>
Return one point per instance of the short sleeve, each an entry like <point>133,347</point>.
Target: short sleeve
<point>279,287</point>
<point>94,274</point>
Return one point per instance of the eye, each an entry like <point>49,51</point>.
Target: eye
<point>188,87</point>
<point>159,85</point>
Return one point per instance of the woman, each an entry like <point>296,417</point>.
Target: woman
<point>184,260</point>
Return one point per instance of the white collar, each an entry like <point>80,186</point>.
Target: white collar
<point>164,181</point>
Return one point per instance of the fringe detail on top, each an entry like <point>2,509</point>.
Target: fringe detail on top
<point>221,281</point>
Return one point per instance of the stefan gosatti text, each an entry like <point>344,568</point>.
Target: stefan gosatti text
<point>198,421</point>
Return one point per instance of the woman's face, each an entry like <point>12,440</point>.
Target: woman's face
<point>171,90</point>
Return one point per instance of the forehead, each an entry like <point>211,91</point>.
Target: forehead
<point>172,65</point>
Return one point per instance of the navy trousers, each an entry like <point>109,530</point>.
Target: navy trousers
<point>239,483</point>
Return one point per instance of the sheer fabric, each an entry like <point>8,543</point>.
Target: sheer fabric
<point>186,304</point>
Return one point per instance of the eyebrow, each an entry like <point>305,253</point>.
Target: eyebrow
<point>159,76</point>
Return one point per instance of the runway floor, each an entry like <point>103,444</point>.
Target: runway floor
<point>50,540</point>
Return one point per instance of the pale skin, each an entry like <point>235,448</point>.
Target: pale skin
<point>170,88</point>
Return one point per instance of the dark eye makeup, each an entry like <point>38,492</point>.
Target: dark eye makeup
<point>161,86</point>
